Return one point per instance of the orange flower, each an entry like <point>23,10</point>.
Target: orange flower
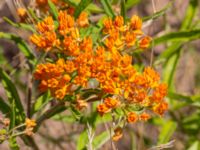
<point>43,3</point>
<point>66,22</point>
<point>136,23</point>
<point>22,13</point>
<point>47,25</point>
<point>80,104</point>
<point>46,41</point>
<point>132,117</point>
<point>159,93</point>
<point>111,102</point>
<point>102,109</point>
<point>83,19</point>
<point>86,45</point>
<point>43,87</point>
<point>140,97</point>
<point>144,116</point>
<point>119,21</point>
<point>151,76</point>
<point>117,134</point>
<point>60,93</point>
<point>130,39</point>
<point>30,123</point>
<point>6,121</point>
<point>160,108</point>
<point>145,42</point>
<point>52,83</point>
<point>107,25</point>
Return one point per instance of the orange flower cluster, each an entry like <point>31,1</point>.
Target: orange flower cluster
<point>120,36</point>
<point>47,37</point>
<point>55,77</point>
<point>30,124</point>
<point>123,86</point>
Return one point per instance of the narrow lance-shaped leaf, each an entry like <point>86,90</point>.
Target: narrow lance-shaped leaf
<point>81,6</point>
<point>11,91</point>
<point>82,140</point>
<point>166,132</point>
<point>131,3</point>
<point>13,144</point>
<point>12,141</point>
<point>19,25</point>
<point>60,107</point>
<point>170,68</point>
<point>178,36</point>
<point>108,8</point>
<point>158,13</point>
<point>53,9</point>
<point>101,139</point>
<point>195,145</point>
<point>123,9</point>
<point>4,107</point>
<point>190,13</point>
<point>40,102</point>
<point>24,48</point>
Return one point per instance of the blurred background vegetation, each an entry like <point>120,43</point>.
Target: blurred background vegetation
<point>175,28</point>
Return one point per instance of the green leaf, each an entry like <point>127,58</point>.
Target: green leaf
<point>123,9</point>
<point>166,132</point>
<point>40,102</point>
<point>82,140</point>
<point>170,69</point>
<point>131,3</point>
<point>191,124</point>
<point>159,13</point>
<point>107,8</point>
<point>81,6</point>
<point>101,139</point>
<point>13,97</point>
<point>184,36</point>
<point>12,116</point>
<point>4,107</point>
<point>19,25</point>
<point>94,8</point>
<point>190,13</point>
<point>60,107</point>
<point>53,9</point>
<point>65,118</point>
<point>13,144</point>
<point>3,60</point>
<point>21,44</point>
<point>180,97</point>
<point>195,146</point>
<point>173,49</point>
